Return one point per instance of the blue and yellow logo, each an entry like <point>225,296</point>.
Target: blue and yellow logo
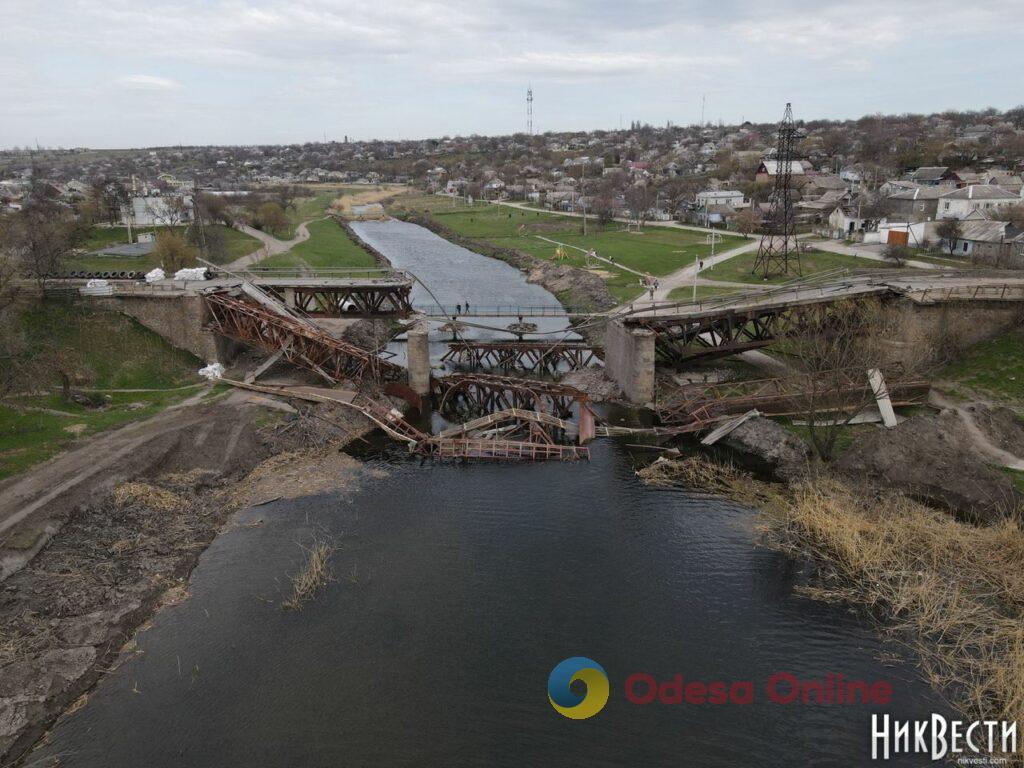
<point>571,704</point>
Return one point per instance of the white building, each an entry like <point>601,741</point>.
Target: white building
<point>975,197</point>
<point>730,197</point>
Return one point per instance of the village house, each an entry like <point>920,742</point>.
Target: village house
<point>976,197</point>
<point>917,204</point>
<point>730,197</point>
<point>769,169</point>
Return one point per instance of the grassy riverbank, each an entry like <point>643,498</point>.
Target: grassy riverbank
<point>104,353</point>
<point>655,250</point>
<point>328,246</point>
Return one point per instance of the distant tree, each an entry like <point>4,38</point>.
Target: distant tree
<point>638,199</point>
<point>951,231</point>
<point>897,254</point>
<point>173,252</point>
<point>604,208</point>
<point>215,208</point>
<point>39,237</point>
<point>748,220</point>
<point>271,217</point>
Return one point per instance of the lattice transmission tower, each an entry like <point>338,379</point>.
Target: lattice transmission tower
<point>779,251</point>
<point>529,110</point>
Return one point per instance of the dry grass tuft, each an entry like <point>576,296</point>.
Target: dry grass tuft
<point>700,473</point>
<point>956,589</point>
<point>315,574</point>
<point>150,496</point>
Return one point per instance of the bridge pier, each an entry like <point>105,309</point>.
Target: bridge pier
<point>418,357</point>
<point>629,361</point>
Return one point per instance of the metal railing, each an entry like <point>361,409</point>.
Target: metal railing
<point>507,310</point>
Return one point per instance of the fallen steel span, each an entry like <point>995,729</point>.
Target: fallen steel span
<point>300,343</point>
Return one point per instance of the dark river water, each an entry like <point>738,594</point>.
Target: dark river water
<point>457,590</point>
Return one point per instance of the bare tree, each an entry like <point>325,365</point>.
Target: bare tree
<point>173,252</point>
<point>271,217</point>
<point>951,231</point>
<point>748,220</point>
<point>638,200</point>
<point>834,347</point>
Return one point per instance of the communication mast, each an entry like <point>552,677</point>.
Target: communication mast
<point>529,110</point>
<point>779,247</point>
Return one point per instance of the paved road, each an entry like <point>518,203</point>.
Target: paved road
<point>683,278</point>
<point>271,245</point>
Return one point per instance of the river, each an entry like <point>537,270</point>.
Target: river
<point>457,590</point>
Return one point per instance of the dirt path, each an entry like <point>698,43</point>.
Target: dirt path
<point>271,245</point>
<point>29,508</point>
<point>977,437</point>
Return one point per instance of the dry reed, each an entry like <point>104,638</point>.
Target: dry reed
<point>314,575</point>
<point>953,591</point>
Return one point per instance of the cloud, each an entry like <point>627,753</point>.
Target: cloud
<point>148,83</point>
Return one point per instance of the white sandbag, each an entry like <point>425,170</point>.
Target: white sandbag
<point>191,273</point>
<point>156,274</point>
<point>97,284</point>
<point>212,371</point>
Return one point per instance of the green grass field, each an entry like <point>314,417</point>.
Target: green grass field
<point>703,292</point>
<point>328,246</point>
<point>107,351</point>
<point>739,269</point>
<point>654,250</point>
<point>994,368</point>
<point>236,244</point>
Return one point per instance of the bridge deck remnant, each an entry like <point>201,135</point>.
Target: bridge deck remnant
<point>545,356</point>
<point>744,321</point>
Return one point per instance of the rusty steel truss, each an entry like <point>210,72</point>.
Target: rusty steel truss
<point>700,405</point>
<point>300,344</point>
<point>479,394</point>
<point>355,301</point>
<point>537,356</point>
<point>731,330</point>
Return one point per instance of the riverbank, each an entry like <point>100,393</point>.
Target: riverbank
<point>951,591</point>
<point>68,615</point>
<point>573,287</point>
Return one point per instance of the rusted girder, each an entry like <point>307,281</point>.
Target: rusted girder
<point>479,448</point>
<point>536,356</point>
<point>300,344</point>
<point>682,339</point>
<point>786,396</point>
<point>360,301</point>
<point>479,394</point>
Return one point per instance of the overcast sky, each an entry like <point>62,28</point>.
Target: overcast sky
<point>111,73</point>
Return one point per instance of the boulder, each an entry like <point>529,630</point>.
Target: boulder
<point>768,448</point>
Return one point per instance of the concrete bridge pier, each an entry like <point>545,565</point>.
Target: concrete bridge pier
<point>629,361</point>
<point>418,357</point>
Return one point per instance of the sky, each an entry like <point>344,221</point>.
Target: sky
<point>111,73</point>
